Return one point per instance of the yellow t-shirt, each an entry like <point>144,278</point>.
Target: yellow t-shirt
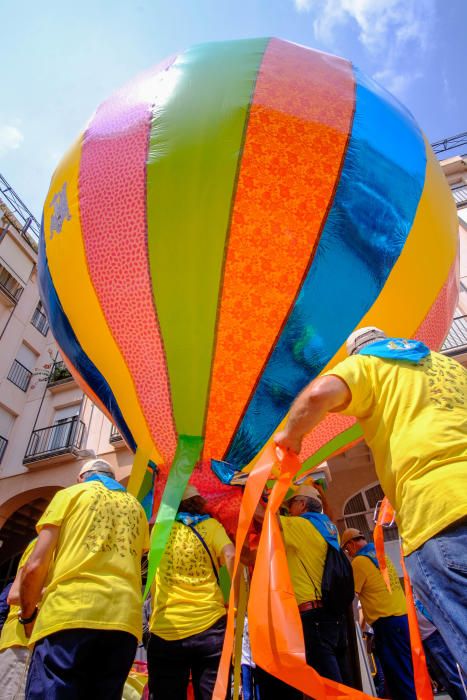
<point>12,632</point>
<point>187,599</point>
<point>414,419</point>
<point>371,589</point>
<point>306,553</point>
<point>94,581</point>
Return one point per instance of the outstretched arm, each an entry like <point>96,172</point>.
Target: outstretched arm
<point>324,395</point>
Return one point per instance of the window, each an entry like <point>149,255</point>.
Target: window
<point>9,285</point>
<point>39,319</point>
<point>21,370</point>
<point>359,511</point>
<point>6,422</point>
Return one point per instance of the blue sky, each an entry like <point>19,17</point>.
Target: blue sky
<point>61,59</point>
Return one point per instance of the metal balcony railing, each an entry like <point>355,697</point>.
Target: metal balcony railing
<point>62,438</point>
<point>3,444</point>
<point>115,435</point>
<point>59,374</point>
<point>460,196</point>
<point>10,286</point>
<point>457,336</point>
<point>19,375</point>
<point>39,321</point>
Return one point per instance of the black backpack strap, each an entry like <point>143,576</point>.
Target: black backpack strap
<point>201,539</point>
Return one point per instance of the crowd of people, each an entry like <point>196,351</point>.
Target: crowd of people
<point>73,615</point>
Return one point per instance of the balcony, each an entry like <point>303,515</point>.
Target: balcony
<point>56,442</point>
<point>10,288</point>
<point>3,444</point>
<point>19,375</point>
<point>115,437</point>
<point>39,321</point>
<point>456,342</point>
<point>59,376</point>
<point>460,196</point>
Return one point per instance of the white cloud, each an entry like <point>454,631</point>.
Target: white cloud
<point>10,138</point>
<point>389,30</point>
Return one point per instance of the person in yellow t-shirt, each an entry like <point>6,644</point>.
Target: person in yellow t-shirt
<point>324,632</point>
<point>88,559</point>
<point>411,404</point>
<point>188,618</point>
<point>385,611</point>
<point>14,652</point>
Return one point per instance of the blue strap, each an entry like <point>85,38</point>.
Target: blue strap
<point>369,551</point>
<point>190,519</point>
<point>325,527</point>
<point>106,481</point>
<point>397,349</point>
<point>186,520</point>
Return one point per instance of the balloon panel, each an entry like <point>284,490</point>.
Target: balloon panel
<point>222,225</point>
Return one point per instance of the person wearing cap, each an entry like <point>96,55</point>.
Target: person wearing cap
<point>87,558</point>
<point>14,652</point>
<point>412,406</point>
<point>188,612</point>
<point>385,611</point>
<point>306,532</point>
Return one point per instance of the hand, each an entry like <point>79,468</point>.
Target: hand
<point>288,443</point>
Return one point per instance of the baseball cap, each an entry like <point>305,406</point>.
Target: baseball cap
<point>97,465</point>
<point>306,490</point>
<point>363,337</point>
<point>351,534</point>
<point>190,492</point>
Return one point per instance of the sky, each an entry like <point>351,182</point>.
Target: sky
<point>62,59</point>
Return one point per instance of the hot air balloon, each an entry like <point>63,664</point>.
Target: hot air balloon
<point>219,228</point>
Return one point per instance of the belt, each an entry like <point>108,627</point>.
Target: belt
<point>310,605</point>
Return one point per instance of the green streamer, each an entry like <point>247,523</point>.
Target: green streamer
<point>187,454</point>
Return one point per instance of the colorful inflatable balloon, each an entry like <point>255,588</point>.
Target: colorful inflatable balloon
<point>217,231</point>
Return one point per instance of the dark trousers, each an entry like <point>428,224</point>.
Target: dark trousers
<point>80,664</point>
<point>392,645</point>
<point>326,651</point>
<point>171,661</point>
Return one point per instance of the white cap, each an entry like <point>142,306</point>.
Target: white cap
<point>363,337</point>
<point>190,492</point>
<point>308,491</point>
<point>97,465</point>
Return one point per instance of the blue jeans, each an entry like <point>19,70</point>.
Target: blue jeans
<point>80,663</point>
<point>438,571</point>
<point>392,646</point>
<point>250,689</point>
<point>442,665</point>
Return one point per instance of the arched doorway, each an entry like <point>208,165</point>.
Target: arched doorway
<point>18,530</point>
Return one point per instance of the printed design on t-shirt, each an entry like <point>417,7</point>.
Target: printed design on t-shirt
<point>116,523</point>
<point>393,577</point>
<point>185,558</point>
<point>447,382</point>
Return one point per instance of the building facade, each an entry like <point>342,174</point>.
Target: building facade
<point>48,428</point>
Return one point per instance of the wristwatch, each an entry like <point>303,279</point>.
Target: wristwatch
<point>26,620</point>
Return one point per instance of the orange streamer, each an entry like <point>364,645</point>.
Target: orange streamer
<point>385,516</point>
<point>421,678</point>
<point>275,629</point>
<point>252,493</point>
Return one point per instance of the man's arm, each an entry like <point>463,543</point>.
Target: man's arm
<point>324,395</point>
<point>34,572</point>
<point>228,557</point>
